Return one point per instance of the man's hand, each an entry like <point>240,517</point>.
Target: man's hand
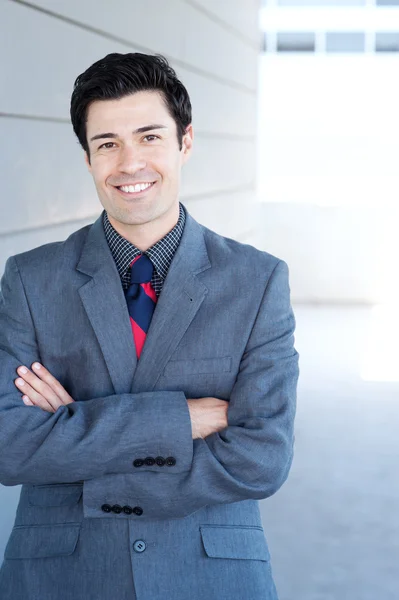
<point>208,415</point>
<point>41,388</point>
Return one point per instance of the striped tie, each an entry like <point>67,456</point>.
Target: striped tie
<point>141,299</point>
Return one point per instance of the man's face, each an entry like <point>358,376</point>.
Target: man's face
<point>133,142</point>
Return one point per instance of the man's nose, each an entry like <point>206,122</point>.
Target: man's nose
<point>131,160</point>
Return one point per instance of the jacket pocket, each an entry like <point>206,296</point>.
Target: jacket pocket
<point>198,366</point>
<point>63,494</point>
<point>42,541</point>
<point>233,541</point>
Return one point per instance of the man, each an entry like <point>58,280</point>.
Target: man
<point>142,449</point>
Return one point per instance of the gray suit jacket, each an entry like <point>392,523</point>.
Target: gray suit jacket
<point>223,326</point>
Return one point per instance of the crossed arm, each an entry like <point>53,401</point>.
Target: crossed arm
<point>96,440</point>
<point>39,388</point>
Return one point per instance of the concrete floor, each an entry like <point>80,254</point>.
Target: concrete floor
<point>333,528</point>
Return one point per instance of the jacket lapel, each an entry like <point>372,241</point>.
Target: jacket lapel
<point>181,297</point>
<point>104,301</point>
<point>105,304</point>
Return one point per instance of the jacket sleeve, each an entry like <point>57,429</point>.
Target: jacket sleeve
<point>82,440</point>
<point>251,458</point>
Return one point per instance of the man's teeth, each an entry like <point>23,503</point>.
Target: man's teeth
<point>130,189</point>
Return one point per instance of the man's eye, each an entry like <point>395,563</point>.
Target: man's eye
<point>151,137</point>
<point>107,145</point>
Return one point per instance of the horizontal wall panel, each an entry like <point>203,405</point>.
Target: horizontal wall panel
<point>27,240</point>
<point>208,46</point>
<point>153,24</point>
<point>45,175</point>
<point>45,171</point>
<point>219,108</point>
<point>156,26</point>
<point>230,214</point>
<point>215,110</point>
<point>41,74</point>
<point>237,14</point>
<point>217,165</point>
<point>249,237</point>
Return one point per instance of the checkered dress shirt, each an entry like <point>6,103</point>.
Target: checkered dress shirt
<point>160,254</point>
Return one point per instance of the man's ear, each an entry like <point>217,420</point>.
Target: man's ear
<point>187,144</point>
<point>87,161</point>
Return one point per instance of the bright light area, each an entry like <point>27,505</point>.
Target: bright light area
<point>329,130</point>
<point>328,180</point>
<point>329,18</point>
<point>380,357</point>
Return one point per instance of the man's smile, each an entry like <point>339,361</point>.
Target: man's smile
<point>133,190</point>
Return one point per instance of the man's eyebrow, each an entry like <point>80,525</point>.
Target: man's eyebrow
<point>149,128</point>
<point>101,136</point>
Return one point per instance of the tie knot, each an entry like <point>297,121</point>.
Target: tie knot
<point>141,270</point>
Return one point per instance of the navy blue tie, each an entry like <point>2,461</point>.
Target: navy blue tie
<point>141,299</point>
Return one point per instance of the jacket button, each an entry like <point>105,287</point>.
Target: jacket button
<point>127,510</point>
<point>170,461</point>
<point>139,546</point>
<point>160,461</point>
<point>138,510</point>
<point>106,508</point>
<point>138,462</point>
<point>149,461</point>
<point>117,509</point>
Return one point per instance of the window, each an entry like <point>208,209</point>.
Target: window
<point>387,42</point>
<point>345,42</point>
<point>296,42</point>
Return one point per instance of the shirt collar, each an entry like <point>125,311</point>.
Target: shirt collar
<point>160,254</point>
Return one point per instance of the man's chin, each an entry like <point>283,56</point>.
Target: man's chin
<point>139,216</point>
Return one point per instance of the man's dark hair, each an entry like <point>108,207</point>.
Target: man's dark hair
<point>118,75</point>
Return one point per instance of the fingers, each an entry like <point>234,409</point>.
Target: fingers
<point>52,382</point>
<point>33,395</point>
<point>41,388</point>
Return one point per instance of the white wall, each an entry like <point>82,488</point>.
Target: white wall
<point>46,191</point>
<point>329,173</point>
